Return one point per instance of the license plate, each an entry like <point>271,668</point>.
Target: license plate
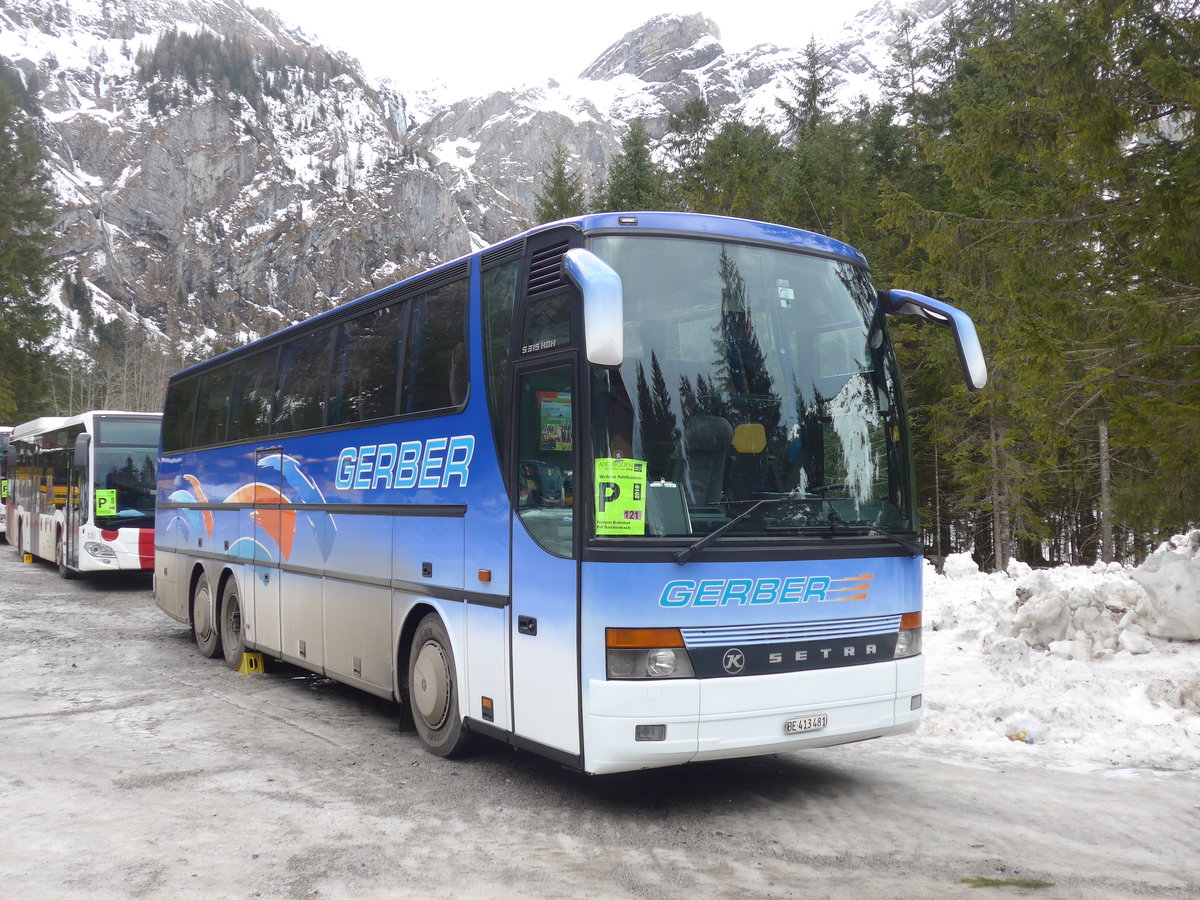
<point>801,724</point>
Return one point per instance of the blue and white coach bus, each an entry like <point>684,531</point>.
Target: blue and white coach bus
<point>625,490</point>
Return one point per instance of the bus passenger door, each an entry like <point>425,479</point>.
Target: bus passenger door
<point>75,513</point>
<point>545,592</point>
<point>269,534</point>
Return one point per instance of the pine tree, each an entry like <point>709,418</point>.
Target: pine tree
<point>634,181</point>
<point>561,193</point>
<point>26,214</point>
<point>813,90</point>
<point>737,171</point>
<point>688,133</point>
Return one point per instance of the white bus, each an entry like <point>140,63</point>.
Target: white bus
<point>81,490</point>
<point>5,433</point>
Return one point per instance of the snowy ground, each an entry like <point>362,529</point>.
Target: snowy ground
<point>132,767</point>
<point>1075,668</point>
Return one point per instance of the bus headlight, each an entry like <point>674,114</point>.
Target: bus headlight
<point>622,663</point>
<point>98,550</point>
<point>646,653</point>
<point>908,641</point>
<point>661,663</point>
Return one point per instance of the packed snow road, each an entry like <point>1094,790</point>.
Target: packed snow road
<point>131,766</point>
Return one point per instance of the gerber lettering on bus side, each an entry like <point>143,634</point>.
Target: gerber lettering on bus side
<point>433,463</point>
<point>744,591</point>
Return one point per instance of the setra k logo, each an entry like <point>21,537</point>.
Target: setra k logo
<point>734,661</point>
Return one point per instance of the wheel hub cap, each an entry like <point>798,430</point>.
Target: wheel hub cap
<point>431,685</point>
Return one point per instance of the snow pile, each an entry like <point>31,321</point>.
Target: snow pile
<point>1171,579</point>
<point>1081,667</point>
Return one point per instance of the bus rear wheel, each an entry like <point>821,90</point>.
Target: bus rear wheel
<point>204,619</point>
<point>433,690</point>
<point>233,634</point>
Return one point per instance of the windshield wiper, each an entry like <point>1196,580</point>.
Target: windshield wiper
<point>837,526</point>
<point>688,552</point>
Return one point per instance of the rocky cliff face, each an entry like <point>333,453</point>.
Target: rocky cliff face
<point>660,51</point>
<point>221,176</point>
<point>215,208</point>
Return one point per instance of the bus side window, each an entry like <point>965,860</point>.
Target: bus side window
<point>177,421</point>
<point>437,328</point>
<point>60,461</point>
<point>301,385</point>
<point>251,398</point>
<point>499,291</point>
<point>365,367</point>
<point>547,324</point>
<point>212,406</point>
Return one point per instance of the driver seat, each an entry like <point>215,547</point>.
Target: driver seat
<point>706,449</point>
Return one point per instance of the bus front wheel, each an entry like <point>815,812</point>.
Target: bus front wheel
<point>204,619</point>
<point>433,690</point>
<point>233,635</point>
<point>60,557</point>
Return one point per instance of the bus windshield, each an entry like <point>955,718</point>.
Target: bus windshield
<point>125,455</point>
<point>758,384</point>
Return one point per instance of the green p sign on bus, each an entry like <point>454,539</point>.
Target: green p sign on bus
<point>106,502</point>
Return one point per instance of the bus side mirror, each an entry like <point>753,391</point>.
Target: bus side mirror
<point>82,442</point>
<point>603,306</point>
<point>970,353</point>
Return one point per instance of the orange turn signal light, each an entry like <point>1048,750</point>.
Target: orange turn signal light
<point>911,620</point>
<point>642,638</point>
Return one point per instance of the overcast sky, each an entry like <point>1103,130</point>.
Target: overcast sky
<point>471,46</point>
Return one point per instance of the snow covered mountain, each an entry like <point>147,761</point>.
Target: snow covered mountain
<point>493,149</point>
<point>218,174</point>
<point>221,174</point>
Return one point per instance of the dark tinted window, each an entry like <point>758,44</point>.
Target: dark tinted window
<point>212,406</point>
<point>177,414</point>
<point>303,374</point>
<point>251,400</point>
<point>547,324</point>
<point>499,296</point>
<point>128,432</point>
<point>60,467</point>
<point>436,364</point>
<point>365,367</point>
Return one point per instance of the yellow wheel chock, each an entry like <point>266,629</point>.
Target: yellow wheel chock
<point>252,664</point>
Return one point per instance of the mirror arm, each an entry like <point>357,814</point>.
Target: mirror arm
<point>970,353</point>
